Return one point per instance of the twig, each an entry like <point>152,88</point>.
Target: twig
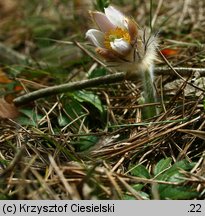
<point>68,87</point>
<point>183,71</point>
<point>12,56</point>
<point>108,79</point>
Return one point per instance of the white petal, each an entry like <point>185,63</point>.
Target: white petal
<point>96,37</point>
<point>121,46</point>
<point>102,21</point>
<point>116,17</point>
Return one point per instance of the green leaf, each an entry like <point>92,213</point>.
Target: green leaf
<point>73,111</point>
<point>85,142</point>
<point>162,165</point>
<point>140,171</point>
<point>183,164</point>
<point>173,174</point>
<point>138,187</point>
<point>97,73</point>
<point>30,117</point>
<point>89,97</point>
<point>177,193</point>
<point>63,120</point>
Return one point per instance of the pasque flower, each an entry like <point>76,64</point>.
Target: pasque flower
<point>120,41</point>
<point>125,46</point>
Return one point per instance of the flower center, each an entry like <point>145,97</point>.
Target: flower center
<point>117,33</point>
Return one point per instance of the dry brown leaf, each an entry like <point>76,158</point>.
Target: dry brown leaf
<point>7,110</point>
<point>3,77</point>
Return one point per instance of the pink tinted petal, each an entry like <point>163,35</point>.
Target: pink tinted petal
<point>95,36</point>
<point>102,21</point>
<point>121,46</point>
<point>116,17</point>
<point>132,29</point>
<point>106,54</point>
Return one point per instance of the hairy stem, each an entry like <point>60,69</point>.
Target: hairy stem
<point>149,94</point>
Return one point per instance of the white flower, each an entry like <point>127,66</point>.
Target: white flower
<point>120,41</point>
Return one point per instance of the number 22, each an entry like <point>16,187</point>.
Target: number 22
<point>195,208</point>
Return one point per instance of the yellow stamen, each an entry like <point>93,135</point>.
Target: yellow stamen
<point>116,33</point>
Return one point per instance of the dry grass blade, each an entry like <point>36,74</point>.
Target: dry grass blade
<point>130,189</point>
<point>134,144</point>
<point>13,163</point>
<point>197,133</point>
<point>72,194</point>
<point>44,188</point>
<point>115,185</point>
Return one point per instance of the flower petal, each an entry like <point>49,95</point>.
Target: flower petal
<point>96,37</point>
<point>116,17</point>
<point>106,54</point>
<point>132,29</point>
<point>102,21</point>
<point>121,46</point>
